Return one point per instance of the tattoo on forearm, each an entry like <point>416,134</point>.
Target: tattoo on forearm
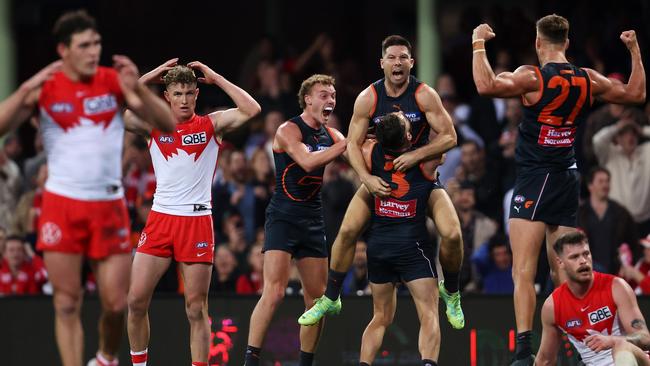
<point>638,324</point>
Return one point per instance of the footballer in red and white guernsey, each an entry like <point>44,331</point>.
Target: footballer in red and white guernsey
<point>180,222</point>
<point>598,312</point>
<point>83,209</point>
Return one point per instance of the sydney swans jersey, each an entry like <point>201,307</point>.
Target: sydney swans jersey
<point>83,133</point>
<point>548,130</point>
<point>596,313</point>
<point>185,162</point>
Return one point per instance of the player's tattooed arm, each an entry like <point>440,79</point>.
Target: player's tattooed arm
<point>641,337</point>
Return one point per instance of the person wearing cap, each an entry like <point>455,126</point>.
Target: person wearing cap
<point>638,276</point>
<point>620,149</point>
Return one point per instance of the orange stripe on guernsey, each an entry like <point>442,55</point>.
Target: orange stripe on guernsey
<point>417,90</point>
<point>286,191</point>
<point>541,90</point>
<point>374,102</point>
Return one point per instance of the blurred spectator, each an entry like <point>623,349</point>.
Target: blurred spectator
<point>233,228</point>
<point>459,113</point>
<point>28,209</point>
<point>251,282</point>
<point>487,116</point>
<point>272,120</point>
<point>32,165</point>
<point>224,276</point>
<point>476,228</point>
<point>10,184</point>
<point>20,273</point>
<point>263,181</point>
<point>639,276</point>
<point>356,281</point>
<point>263,50</point>
<point>606,223</point>
<point>139,177</point>
<point>617,149</point>
<point>13,148</point>
<point>337,192</point>
<point>271,93</point>
<point>318,58</point>
<point>3,238</point>
<point>503,152</point>
<point>474,169</point>
<point>493,261</point>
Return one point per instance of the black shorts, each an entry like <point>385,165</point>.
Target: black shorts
<point>411,262</point>
<point>300,236</point>
<point>551,198</point>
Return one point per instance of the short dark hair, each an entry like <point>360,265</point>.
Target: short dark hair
<point>70,23</point>
<point>14,237</point>
<point>498,240</point>
<point>595,170</point>
<point>391,131</point>
<point>554,28</point>
<point>394,40</point>
<point>570,238</point>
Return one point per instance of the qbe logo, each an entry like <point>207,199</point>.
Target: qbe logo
<point>600,315</point>
<point>194,139</point>
<point>100,104</point>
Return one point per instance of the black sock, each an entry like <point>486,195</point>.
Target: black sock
<point>451,281</point>
<point>252,356</point>
<point>523,349</point>
<point>426,362</point>
<point>306,358</point>
<point>363,364</point>
<point>334,283</point>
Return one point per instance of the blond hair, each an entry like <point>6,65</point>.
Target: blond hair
<point>180,74</point>
<point>305,87</point>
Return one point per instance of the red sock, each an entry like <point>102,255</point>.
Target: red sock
<point>197,363</point>
<point>139,358</point>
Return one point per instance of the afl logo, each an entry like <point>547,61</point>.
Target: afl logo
<point>166,139</point>
<point>519,199</point>
<point>50,233</point>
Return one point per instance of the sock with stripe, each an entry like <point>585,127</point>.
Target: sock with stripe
<point>139,358</point>
<point>523,348</point>
<point>102,361</point>
<point>429,363</point>
<point>197,363</point>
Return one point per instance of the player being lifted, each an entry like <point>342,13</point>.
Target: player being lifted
<point>397,91</point>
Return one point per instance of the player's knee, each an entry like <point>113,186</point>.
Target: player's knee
<point>195,310</point>
<point>348,233</point>
<point>273,294</point>
<point>451,237</point>
<point>66,304</point>
<point>116,305</point>
<point>384,318</point>
<point>137,305</point>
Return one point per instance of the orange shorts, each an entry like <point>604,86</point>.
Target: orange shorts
<point>189,238</point>
<point>96,229</point>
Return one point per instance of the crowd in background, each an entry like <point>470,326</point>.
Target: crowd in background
<point>612,147</point>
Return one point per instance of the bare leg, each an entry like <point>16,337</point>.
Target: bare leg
<point>64,271</point>
<point>552,234</point>
<point>149,269</point>
<point>526,239</point>
<point>447,223</point>
<point>425,295</point>
<point>627,354</point>
<point>313,276</point>
<point>196,277</point>
<point>356,217</point>
<point>384,303</point>
<point>277,264</point>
